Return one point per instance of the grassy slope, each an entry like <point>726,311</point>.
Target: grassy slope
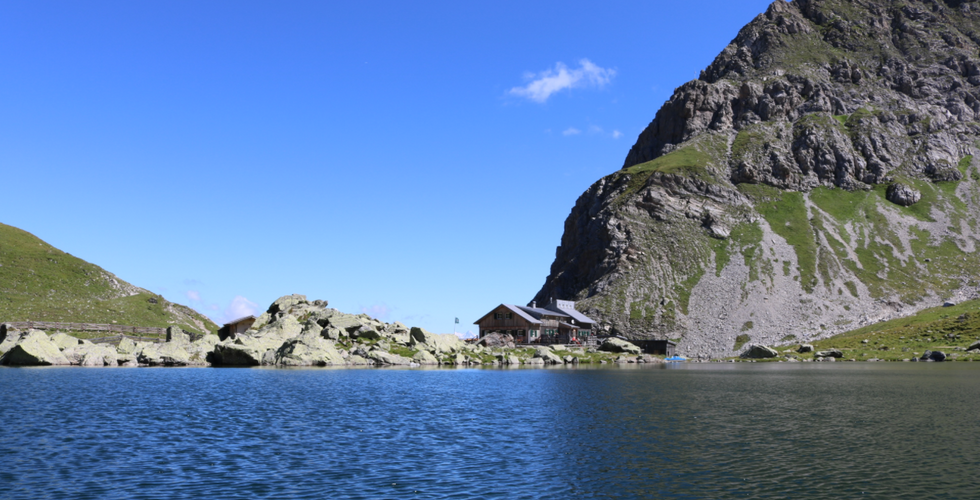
<point>947,329</point>
<point>41,283</point>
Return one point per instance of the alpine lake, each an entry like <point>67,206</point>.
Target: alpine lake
<point>711,430</point>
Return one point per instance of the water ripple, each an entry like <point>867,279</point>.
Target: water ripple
<point>690,431</point>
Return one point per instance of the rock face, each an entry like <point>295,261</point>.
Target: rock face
<point>757,201</point>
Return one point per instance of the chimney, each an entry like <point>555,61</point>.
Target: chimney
<point>534,305</point>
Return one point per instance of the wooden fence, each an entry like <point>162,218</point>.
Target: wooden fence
<point>134,332</point>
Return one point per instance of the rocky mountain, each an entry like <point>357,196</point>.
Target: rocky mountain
<point>38,282</point>
<point>816,178</point>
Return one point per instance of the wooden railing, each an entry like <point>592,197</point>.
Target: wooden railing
<point>85,327</point>
<point>137,331</point>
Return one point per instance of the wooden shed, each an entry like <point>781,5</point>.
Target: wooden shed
<point>556,323</point>
<point>659,347</point>
<point>233,328</point>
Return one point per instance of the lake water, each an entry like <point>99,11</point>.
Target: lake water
<point>867,430</point>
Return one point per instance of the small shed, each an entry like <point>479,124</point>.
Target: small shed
<point>233,328</point>
<point>659,347</point>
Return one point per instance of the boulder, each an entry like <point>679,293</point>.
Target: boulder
<point>282,329</point>
<point>126,346</point>
<point>758,351</point>
<point>805,348</point>
<point>623,360</point>
<point>938,356</point>
<point>366,332</point>
<point>973,346</point>
<point>284,303</point>
<point>420,335</point>
<point>425,358</point>
<point>614,344</point>
<point>646,358</point>
<point>165,354</point>
<point>547,355</point>
<point>383,357</point>
<point>311,327</point>
<point>345,322</point>
<point>333,333</point>
<point>829,353</point>
<point>534,362</point>
<point>9,338</point>
<point>508,360</point>
<point>64,341</point>
<point>91,355</point>
<point>497,340</point>
<point>902,194</point>
<point>176,335</point>
<point>358,360</point>
<point>308,351</point>
<point>445,343</point>
<point>34,348</point>
<point>126,360</point>
<point>243,351</point>
<point>209,340</point>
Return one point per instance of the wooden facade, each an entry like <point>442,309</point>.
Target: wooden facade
<point>232,329</point>
<point>660,347</point>
<point>532,325</point>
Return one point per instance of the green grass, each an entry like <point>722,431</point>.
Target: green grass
<point>964,164</point>
<point>786,214</point>
<point>722,255</point>
<point>740,341</point>
<point>688,161</point>
<point>41,283</point>
<point>405,352</point>
<point>939,328</point>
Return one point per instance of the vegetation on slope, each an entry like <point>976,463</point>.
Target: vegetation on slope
<point>948,329</point>
<point>38,282</point>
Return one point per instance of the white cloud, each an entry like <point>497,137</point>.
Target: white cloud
<point>239,307</point>
<point>595,129</point>
<point>616,134</point>
<point>571,131</point>
<point>377,311</point>
<point>549,81</point>
<point>194,295</point>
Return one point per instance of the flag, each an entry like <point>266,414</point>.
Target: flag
<point>457,321</point>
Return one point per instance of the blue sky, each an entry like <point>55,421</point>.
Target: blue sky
<point>412,161</point>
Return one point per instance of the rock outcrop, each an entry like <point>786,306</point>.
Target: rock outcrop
<point>295,332</point>
<point>34,348</point>
<point>816,178</point>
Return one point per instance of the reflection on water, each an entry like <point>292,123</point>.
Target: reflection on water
<point>684,431</point>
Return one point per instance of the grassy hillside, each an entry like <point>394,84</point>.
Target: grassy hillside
<point>948,329</point>
<point>41,283</point>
